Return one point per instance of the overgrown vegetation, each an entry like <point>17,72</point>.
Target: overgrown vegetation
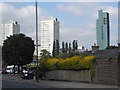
<point>69,58</point>
<point>72,63</point>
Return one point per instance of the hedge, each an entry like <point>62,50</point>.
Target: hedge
<point>73,63</point>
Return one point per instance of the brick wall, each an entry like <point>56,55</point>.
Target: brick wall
<point>119,73</point>
<point>107,72</point>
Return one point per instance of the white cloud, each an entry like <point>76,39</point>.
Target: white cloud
<point>85,36</point>
<point>89,12</point>
<point>113,11</point>
<point>25,16</point>
<point>85,33</point>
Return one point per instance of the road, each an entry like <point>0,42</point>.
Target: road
<point>11,81</point>
<point>12,84</point>
<point>16,82</point>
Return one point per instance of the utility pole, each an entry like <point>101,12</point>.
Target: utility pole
<point>37,78</point>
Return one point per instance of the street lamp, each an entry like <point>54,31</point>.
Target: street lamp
<point>37,79</point>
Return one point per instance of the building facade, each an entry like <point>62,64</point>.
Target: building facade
<point>49,33</point>
<point>103,30</point>
<point>10,28</point>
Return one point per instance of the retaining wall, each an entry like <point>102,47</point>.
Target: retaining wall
<point>106,72</point>
<point>69,75</point>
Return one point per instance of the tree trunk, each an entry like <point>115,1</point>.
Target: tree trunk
<point>18,69</point>
<point>14,70</point>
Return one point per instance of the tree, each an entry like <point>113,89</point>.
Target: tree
<point>44,56</point>
<point>69,47</point>
<point>66,47</point>
<point>74,48</point>
<point>76,45</point>
<point>63,47</point>
<point>55,48</point>
<point>18,50</point>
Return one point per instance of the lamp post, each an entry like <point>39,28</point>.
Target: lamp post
<point>37,79</point>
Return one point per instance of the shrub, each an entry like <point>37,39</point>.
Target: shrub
<point>32,67</point>
<point>51,64</point>
<point>73,63</point>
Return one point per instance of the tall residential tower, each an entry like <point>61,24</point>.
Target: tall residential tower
<point>49,33</point>
<point>10,28</point>
<point>103,30</point>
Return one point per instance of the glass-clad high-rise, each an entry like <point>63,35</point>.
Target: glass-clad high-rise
<point>103,30</point>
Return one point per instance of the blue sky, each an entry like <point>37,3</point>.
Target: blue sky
<point>77,20</point>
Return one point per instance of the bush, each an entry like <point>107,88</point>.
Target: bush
<point>51,64</point>
<point>32,67</point>
<point>73,63</point>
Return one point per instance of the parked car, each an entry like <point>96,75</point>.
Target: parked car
<point>24,71</point>
<point>31,74</point>
<point>28,75</point>
<point>2,71</point>
<point>10,69</point>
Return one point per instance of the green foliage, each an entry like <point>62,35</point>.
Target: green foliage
<point>18,50</point>
<point>44,56</point>
<point>73,63</point>
<point>62,56</point>
<point>51,64</point>
<point>68,55</point>
<point>53,52</point>
<point>55,48</point>
<point>63,47</point>
<point>66,47</point>
<point>69,48</point>
<point>74,45</point>
<point>32,67</point>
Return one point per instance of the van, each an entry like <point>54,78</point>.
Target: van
<point>10,69</point>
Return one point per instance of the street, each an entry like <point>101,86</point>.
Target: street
<point>15,81</point>
<point>12,84</point>
<point>10,81</point>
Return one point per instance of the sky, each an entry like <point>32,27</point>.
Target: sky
<point>77,19</point>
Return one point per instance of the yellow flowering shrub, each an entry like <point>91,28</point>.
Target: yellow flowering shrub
<point>51,64</point>
<point>73,63</point>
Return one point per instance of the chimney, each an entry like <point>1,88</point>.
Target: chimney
<point>95,48</point>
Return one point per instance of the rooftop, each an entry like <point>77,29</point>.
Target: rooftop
<point>107,53</point>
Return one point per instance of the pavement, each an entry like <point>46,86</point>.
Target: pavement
<point>58,84</point>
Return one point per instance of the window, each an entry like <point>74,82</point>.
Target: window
<point>105,20</point>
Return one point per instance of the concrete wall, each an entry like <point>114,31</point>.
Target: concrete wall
<point>107,72</point>
<point>69,75</point>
